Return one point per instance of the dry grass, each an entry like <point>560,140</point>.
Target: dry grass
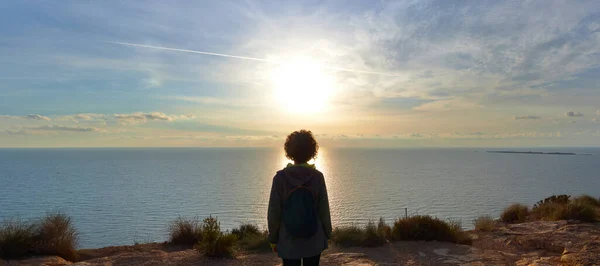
<point>16,238</point>
<point>185,231</point>
<point>427,228</point>
<point>371,235</point>
<point>57,236</point>
<point>52,235</point>
<point>347,236</point>
<point>383,229</point>
<point>515,213</point>
<point>484,223</point>
<point>575,210</point>
<point>587,199</point>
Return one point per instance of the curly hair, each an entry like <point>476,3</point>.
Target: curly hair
<point>301,146</point>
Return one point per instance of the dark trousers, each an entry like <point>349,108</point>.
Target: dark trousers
<point>312,261</point>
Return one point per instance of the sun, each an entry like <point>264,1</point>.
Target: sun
<point>302,86</point>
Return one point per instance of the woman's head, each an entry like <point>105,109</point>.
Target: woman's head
<point>301,146</point>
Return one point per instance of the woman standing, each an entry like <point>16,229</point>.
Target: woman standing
<point>298,215</point>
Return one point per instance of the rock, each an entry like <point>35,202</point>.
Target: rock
<point>40,261</point>
<point>589,254</point>
<point>544,261</point>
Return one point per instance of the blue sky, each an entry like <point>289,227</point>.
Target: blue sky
<point>441,73</point>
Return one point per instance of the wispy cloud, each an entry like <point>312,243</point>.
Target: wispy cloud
<point>29,117</point>
<point>528,117</point>
<point>574,114</point>
<point>145,117</point>
<point>431,66</point>
<point>246,58</point>
<point>63,128</point>
<point>37,117</point>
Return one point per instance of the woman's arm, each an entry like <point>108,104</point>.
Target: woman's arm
<point>274,212</point>
<point>324,213</point>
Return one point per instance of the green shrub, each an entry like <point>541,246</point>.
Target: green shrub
<point>246,230</point>
<point>484,223</point>
<point>16,238</point>
<point>427,228</point>
<point>587,199</point>
<point>185,231</point>
<point>515,213</point>
<point>215,243</point>
<point>57,236</point>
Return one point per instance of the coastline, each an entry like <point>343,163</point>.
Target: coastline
<point>541,242</point>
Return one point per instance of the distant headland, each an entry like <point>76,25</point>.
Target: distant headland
<point>537,152</point>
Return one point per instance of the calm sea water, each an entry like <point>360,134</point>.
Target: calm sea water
<point>118,196</point>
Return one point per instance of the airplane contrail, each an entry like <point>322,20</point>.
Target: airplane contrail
<point>241,57</point>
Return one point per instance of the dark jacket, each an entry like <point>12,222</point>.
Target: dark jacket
<point>289,247</point>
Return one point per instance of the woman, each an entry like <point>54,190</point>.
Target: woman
<point>298,216</point>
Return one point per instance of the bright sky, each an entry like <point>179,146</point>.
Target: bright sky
<point>246,73</point>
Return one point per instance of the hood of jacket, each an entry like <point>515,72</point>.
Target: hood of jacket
<point>299,175</point>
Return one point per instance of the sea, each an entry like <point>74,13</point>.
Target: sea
<point>121,196</point>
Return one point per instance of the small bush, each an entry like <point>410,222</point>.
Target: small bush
<point>587,199</point>
<point>185,231</point>
<point>246,230</point>
<point>57,236</point>
<point>215,243</point>
<point>384,230</point>
<point>583,208</point>
<point>16,239</point>
<point>347,236</point>
<point>484,223</point>
<point>371,236</point>
<point>571,211</point>
<point>554,199</point>
<point>255,242</point>
<point>515,213</point>
<point>427,228</point>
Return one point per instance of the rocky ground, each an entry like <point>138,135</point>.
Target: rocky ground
<point>535,243</point>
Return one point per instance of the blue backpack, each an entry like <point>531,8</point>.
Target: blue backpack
<point>300,215</point>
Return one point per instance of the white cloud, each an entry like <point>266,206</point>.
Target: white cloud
<point>37,117</point>
<point>29,117</point>
<point>448,105</point>
<point>63,128</point>
<point>83,117</point>
<point>153,116</point>
<point>574,114</point>
<point>528,117</point>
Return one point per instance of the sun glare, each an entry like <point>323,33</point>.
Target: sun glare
<point>302,86</point>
